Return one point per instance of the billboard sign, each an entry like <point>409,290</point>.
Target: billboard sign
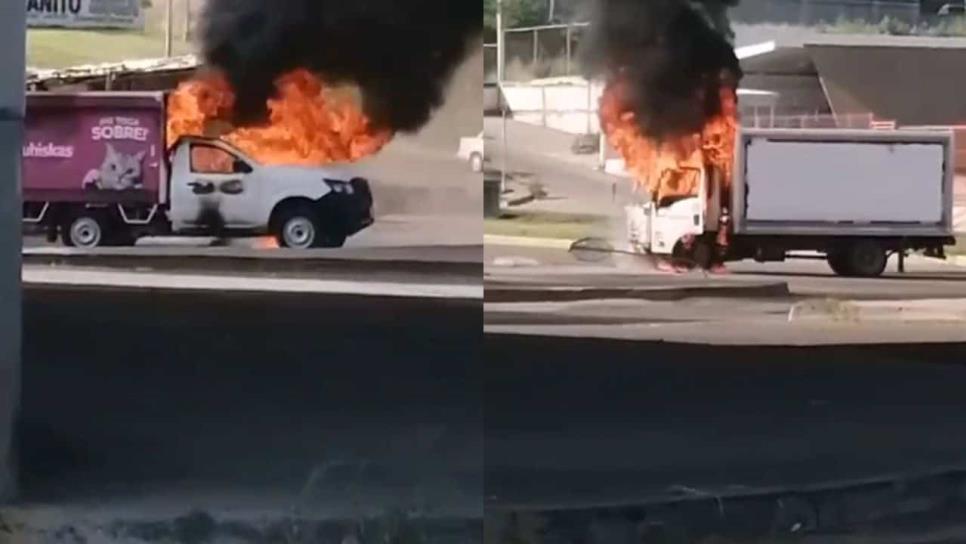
<point>122,14</point>
<point>77,151</point>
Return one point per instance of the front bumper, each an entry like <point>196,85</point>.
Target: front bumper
<point>353,209</point>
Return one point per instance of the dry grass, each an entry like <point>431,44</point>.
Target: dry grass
<point>58,48</point>
<point>547,225</point>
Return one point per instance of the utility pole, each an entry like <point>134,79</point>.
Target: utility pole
<point>500,43</point>
<point>168,28</point>
<point>551,10</point>
<point>500,74</point>
<point>13,30</point>
<point>187,21</point>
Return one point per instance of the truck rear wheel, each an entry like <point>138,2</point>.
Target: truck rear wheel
<point>85,229</point>
<point>298,227</point>
<point>838,262</point>
<point>862,259</point>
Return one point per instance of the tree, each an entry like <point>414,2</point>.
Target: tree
<point>516,13</point>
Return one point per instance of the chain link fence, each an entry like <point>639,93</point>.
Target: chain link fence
<point>553,50</point>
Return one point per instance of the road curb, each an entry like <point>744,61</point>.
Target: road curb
<point>525,241</point>
<point>807,512</point>
<point>127,280</point>
<point>261,263</point>
<point>498,292</point>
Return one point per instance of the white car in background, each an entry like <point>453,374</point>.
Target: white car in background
<point>472,150</point>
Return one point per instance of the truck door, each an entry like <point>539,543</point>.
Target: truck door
<point>215,189</point>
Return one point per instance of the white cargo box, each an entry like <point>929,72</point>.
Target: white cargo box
<point>843,182</point>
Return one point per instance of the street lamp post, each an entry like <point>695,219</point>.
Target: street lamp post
<point>169,28</point>
<point>500,43</point>
<point>187,21</point>
<point>500,75</point>
<point>13,24</point>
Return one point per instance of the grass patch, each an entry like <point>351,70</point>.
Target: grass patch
<point>563,226</point>
<point>58,48</point>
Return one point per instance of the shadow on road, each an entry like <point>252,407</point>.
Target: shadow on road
<point>129,390</point>
<point>573,420</point>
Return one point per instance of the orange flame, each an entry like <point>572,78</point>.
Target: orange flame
<point>308,123</point>
<point>671,168</point>
<point>265,242</point>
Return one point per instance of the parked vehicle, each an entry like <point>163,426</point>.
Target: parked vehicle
<point>97,171</point>
<point>472,150</point>
<point>855,196</point>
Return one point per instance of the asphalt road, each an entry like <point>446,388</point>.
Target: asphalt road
<point>576,422</point>
<point>148,400</point>
<point>813,278</point>
<point>544,154</point>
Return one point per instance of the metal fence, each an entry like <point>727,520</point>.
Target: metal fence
<point>537,52</point>
<point>817,12</point>
<point>553,50</point>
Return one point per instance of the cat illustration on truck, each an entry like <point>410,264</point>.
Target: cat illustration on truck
<point>97,172</point>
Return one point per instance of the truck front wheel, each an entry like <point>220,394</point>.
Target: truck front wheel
<point>298,227</point>
<point>86,230</point>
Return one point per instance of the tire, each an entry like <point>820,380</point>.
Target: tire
<point>298,227</point>
<point>85,230</point>
<point>702,253</point>
<point>838,262</point>
<point>866,259</point>
<point>476,162</point>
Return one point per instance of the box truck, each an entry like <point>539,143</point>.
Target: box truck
<point>855,196</point>
<point>97,171</point>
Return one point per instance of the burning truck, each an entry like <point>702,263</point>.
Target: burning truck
<point>108,168</point>
<point>714,192</point>
<point>855,196</point>
<point>261,141</point>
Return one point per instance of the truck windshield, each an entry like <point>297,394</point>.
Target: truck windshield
<point>209,159</point>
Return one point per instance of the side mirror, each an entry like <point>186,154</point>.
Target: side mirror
<point>242,167</point>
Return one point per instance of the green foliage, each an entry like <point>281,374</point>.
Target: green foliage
<point>516,13</point>
<point>946,27</point>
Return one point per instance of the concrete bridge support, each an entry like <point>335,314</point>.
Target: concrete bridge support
<point>12,45</point>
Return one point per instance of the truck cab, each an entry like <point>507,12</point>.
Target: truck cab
<point>661,230</point>
<point>216,188</point>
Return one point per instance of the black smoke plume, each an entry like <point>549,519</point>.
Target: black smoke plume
<point>672,56</point>
<point>401,53</point>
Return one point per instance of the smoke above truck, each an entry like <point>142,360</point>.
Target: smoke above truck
<point>311,82</point>
<point>670,105</point>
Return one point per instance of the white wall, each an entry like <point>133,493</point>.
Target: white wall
<point>569,106</point>
<point>12,37</point>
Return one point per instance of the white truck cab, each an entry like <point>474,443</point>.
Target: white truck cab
<point>660,230</point>
<point>213,186</point>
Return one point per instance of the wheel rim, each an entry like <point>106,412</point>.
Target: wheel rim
<point>299,232</point>
<point>85,232</point>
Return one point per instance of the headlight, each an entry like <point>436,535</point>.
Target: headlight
<point>340,187</point>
